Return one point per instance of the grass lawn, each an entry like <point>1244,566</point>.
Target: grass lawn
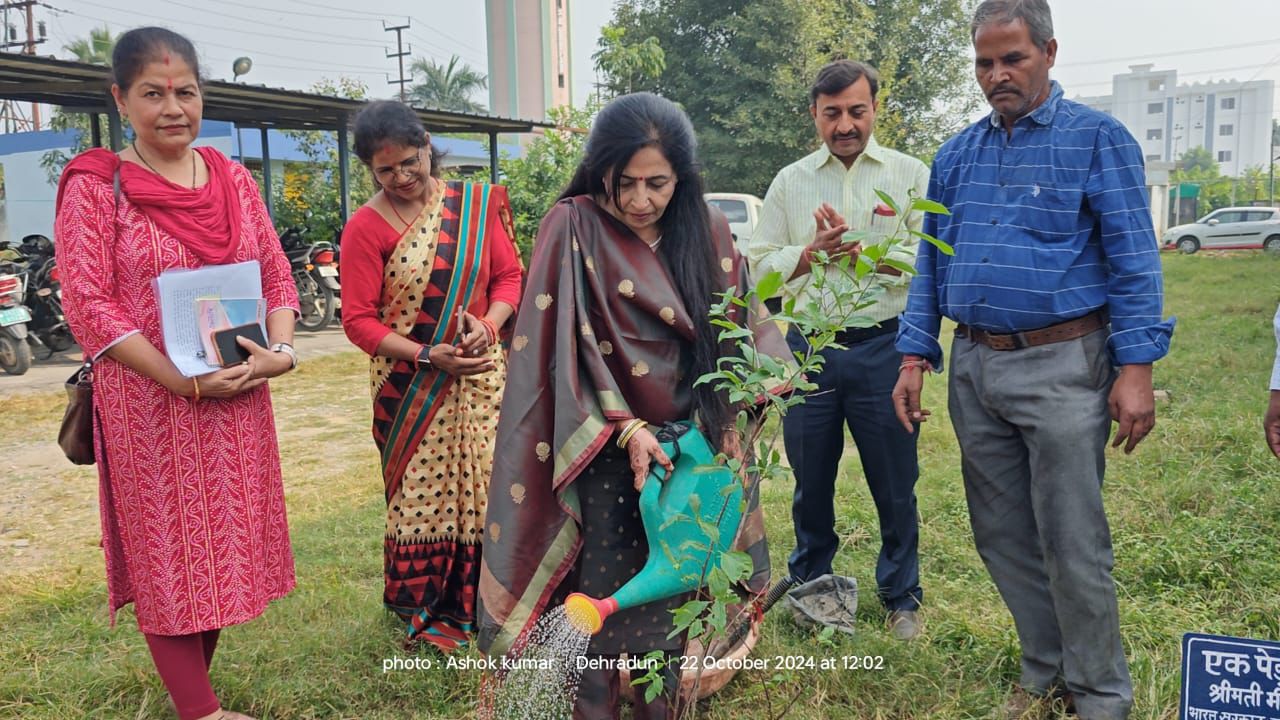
<point>1194,516</point>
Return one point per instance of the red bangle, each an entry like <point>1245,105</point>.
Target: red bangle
<point>491,329</point>
<point>916,363</point>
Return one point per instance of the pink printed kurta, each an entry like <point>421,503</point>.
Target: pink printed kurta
<point>192,503</point>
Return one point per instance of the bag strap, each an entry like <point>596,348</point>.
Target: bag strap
<point>87,369</point>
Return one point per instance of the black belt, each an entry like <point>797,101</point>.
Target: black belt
<point>848,336</point>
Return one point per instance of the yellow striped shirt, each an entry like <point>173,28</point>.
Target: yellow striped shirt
<point>786,223</point>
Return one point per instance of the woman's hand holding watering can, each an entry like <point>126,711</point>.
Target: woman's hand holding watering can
<point>643,449</point>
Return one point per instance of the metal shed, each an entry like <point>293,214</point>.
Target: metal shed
<point>84,88</point>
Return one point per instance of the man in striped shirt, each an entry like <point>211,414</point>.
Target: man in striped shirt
<point>808,208</point>
<point>1055,280</point>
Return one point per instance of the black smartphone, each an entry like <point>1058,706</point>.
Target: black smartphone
<point>228,350</point>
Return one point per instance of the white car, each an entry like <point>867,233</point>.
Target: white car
<point>743,212</point>
<point>1232,228</point>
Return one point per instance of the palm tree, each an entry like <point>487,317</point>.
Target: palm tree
<point>447,87</point>
<point>95,49</point>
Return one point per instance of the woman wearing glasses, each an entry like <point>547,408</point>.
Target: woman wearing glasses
<point>430,274</point>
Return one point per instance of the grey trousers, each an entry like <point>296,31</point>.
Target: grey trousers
<point>1033,427</point>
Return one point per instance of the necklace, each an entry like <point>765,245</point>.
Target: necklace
<point>392,203</point>
<point>154,170</point>
<point>653,245</point>
<point>399,217</point>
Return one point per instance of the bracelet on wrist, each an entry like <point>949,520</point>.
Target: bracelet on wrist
<point>287,349</point>
<point>921,363</point>
<point>491,331</point>
<point>195,383</point>
<point>629,431</point>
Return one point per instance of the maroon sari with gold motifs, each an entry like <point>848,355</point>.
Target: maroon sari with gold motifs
<point>602,336</point>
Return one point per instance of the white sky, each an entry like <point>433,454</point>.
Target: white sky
<point>294,43</point>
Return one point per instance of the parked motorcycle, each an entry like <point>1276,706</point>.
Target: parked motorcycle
<point>316,275</point>
<point>15,352</point>
<point>44,295</point>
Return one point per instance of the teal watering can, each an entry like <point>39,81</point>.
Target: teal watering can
<point>678,512</point>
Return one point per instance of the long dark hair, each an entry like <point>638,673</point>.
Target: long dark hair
<point>625,126</point>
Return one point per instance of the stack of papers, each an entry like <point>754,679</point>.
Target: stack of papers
<point>194,303</point>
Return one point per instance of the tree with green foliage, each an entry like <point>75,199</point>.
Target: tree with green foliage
<point>927,89</point>
<point>447,87</point>
<point>95,49</point>
<point>1199,160</point>
<point>747,65</point>
<point>537,179</point>
<point>625,65</point>
<point>308,194</point>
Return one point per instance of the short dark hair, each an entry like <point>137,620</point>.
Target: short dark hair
<point>141,46</point>
<point>834,77</point>
<point>1035,14</point>
<point>388,122</point>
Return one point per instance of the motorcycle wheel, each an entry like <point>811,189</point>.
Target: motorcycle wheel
<point>15,355</point>
<point>317,305</point>
<point>59,340</point>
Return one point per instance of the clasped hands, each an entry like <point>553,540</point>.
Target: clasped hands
<point>470,355</point>
<point>829,236</point>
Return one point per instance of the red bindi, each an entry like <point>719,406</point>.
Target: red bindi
<point>166,58</point>
<point>170,83</point>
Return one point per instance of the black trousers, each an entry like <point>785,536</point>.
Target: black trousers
<point>854,390</point>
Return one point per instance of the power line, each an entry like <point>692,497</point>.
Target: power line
<point>356,69</point>
<point>1172,53</point>
<point>464,45</point>
<point>446,55</point>
<point>272,35</point>
<point>1189,74</point>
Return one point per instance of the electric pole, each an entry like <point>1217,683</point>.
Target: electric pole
<point>400,54</point>
<point>28,46</point>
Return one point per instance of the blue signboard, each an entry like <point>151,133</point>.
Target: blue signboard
<point>1227,678</point>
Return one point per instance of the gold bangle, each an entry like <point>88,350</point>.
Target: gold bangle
<point>196,383</point>
<point>629,431</point>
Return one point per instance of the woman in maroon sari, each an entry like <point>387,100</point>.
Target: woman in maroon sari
<point>430,272</point>
<point>193,516</point>
<point>614,328</point>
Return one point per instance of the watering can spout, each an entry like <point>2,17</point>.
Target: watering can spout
<point>675,512</point>
<point>587,614</point>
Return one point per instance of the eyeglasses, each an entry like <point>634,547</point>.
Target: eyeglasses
<point>407,168</point>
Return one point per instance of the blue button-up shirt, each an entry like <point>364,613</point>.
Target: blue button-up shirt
<point>1047,225</point>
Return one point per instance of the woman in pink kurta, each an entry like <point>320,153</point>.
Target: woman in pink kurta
<point>192,505</point>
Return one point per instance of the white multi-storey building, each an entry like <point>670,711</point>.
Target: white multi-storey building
<point>1230,119</point>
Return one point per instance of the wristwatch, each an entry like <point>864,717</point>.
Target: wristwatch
<point>287,349</point>
<point>423,361</point>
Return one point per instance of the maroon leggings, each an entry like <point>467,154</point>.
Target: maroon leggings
<point>183,662</point>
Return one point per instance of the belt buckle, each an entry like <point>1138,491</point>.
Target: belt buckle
<point>1019,340</point>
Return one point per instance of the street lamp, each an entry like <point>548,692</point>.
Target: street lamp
<point>240,66</point>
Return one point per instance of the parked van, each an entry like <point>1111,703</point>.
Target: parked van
<point>743,212</point>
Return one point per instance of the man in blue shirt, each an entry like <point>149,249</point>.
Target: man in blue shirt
<point>1055,281</point>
